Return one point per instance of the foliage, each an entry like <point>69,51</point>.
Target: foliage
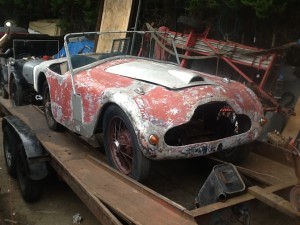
<point>266,8</point>
<point>262,8</point>
<point>75,15</point>
<point>257,22</point>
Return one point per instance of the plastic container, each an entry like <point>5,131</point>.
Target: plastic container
<point>222,183</point>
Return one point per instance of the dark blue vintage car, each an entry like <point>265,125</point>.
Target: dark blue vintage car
<point>19,54</point>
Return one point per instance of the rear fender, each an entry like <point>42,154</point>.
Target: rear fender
<point>31,152</point>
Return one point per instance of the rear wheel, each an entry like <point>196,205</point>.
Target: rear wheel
<point>16,93</point>
<point>16,166</point>
<point>9,147</point>
<point>121,145</point>
<point>31,190</point>
<point>53,125</point>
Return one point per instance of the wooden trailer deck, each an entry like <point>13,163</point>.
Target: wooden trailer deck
<point>168,196</point>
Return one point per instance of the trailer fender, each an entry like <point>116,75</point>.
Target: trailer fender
<point>32,149</point>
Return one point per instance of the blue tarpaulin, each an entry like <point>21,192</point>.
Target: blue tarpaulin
<point>77,46</point>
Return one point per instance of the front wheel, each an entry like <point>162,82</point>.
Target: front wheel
<point>16,93</point>
<point>52,124</point>
<point>121,145</point>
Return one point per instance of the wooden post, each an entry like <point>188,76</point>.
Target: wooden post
<point>115,17</point>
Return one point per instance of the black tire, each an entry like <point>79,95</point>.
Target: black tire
<point>9,147</point>
<point>31,190</point>
<point>52,124</point>
<point>123,152</point>
<point>16,93</point>
<point>234,155</point>
<point>4,92</point>
<point>195,24</point>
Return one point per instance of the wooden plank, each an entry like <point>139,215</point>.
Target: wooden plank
<point>293,125</point>
<point>96,182</point>
<point>274,201</point>
<point>239,199</point>
<point>115,17</point>
<point>269,170</point>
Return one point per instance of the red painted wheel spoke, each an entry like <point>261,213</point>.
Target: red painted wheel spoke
<point>121,146</point>
<point>125,155</point>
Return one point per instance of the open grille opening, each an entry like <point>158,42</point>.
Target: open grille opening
<point>210,122</point>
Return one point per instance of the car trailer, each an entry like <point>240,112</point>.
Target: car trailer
<point>30,146</point>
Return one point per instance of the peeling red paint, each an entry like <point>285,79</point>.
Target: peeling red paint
<point>152,108</point>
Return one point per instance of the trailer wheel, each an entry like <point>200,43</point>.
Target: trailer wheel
<point>4,92</point>
<point>234,155</point>
<point>9,147</point>
<point>52,124</point>
<point>121,145</point>
<point>31,190</point>
<point>16,93</point>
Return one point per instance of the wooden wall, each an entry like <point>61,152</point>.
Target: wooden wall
<point>115,17</point>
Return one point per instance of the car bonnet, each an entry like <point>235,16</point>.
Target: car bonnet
<point>164,74</point>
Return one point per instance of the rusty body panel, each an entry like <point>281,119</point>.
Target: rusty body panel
<point>158,106</point>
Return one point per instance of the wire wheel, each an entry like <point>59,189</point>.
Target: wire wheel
<point>120,145</point>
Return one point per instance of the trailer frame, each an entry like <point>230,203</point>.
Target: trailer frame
<point>114,198</point>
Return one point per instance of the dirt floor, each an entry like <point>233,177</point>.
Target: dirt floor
<point>59,204</point>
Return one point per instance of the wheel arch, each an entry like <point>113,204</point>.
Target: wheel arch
<point>35,170</point>
<point>14,76</point>
<point>129,106</point>
<point>99,126</point>
<point>40,82</point>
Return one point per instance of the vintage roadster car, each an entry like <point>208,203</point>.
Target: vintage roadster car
<point>146,109</point>
<point>20,53</point>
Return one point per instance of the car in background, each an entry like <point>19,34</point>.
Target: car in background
<point>20,53</point>
<point>146,109</point>
<point>13,30</point>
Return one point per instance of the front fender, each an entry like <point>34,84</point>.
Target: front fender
<point>17,71</point>
<point>129,103</point>
<point>134,107</point>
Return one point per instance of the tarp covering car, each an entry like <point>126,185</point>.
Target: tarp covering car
<point>77,46</point>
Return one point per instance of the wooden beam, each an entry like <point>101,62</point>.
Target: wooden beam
<point>115,17</point>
